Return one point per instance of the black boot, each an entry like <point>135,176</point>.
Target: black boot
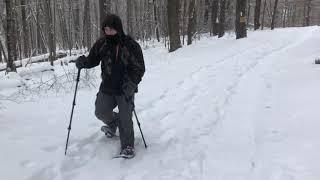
<point>110,129</point>
<point>127,152</point>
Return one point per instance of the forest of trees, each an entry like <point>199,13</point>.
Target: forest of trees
<point>34,27</point>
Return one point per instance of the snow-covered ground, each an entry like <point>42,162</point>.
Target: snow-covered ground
<point>221,109</point>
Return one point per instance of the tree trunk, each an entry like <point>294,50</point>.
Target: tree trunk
<point>307,17</point>
<point>294,14</point>
<point>222,18</point>
<point>87,25</point>
<point>63,27</point>
<point>191,21</point>
<point>249,11</point>
<point>50,35</point>
<point>263,14</point>
<point>173,24</point>
<point>3,50</point>
<point>26,48</point>
<point>241,30</point>
<point>1,60</point>
<point>184,23</point>
<point>76,15</point>
<point>130,18</point>
<point>274,14</point>
<point>18,51</point>
<point>2,39</point>
<point>40,37</point>
<point>285,13</point>
<point>257,15</point>
<point>156,20</point>
<point>11,35</point>
<point>102,12</point>
<point>214,16</point>
<point>70,40</point>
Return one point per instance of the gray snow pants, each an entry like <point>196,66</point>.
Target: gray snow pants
<point>105,104</point>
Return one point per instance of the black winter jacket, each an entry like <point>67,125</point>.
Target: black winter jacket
<point>119,63</point>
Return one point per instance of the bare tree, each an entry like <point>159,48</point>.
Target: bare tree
<point>191,21</point>
<point>26,49</point>
<point>63,25</point>
<point>87,25</point>
<point>293,14</point>
<point>241,30</point>
<point>274,14</point>
<point>130,18</point>
<point>1,60</point>
<point>307,15</point>
<point>257,15</point>
<point>11,36</point>
<point>50,35</point>
<point>3,49</point>
<point>222,17</point>
<point>102,11</point>
<point>249,11</point>
<point>40,33</point>
<point>76,15</point>
<point>263,14</point>
<point>156,20</point>
<point>173,24</point>
<point>214,17</point>
<point>284,13</point>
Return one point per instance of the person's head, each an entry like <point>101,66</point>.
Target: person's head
<point>112,25</point>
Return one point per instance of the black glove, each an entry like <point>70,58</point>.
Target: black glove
<point>80,62</point>
<point>128,89</point>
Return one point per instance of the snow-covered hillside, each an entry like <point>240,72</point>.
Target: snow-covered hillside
<point>221,109</point>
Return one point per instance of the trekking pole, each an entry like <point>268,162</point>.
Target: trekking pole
<point>135,114</point>
<point>73,104</point>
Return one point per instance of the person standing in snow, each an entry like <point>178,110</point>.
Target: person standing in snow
<point>122,68</point>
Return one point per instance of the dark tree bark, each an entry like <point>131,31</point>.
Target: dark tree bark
<point>184,19</point>
<point>70,39</point>
<point>76,15</point>
<point>130,18</point>
<point>102,12</point>
<point>3,49</point>
<point>293,14</point>
<point>214,16</point>
<point>156,20</point>
<point>307,16</point>
<point>263,14</point>
<point>87,25</point>
<point>50,35</point>
<point>285,13</point>
<point>63,27</point>
<point>249,11</point>
<point>173,24</point>
<point>257,15</point>
<point>40,36</point>
<point>18,30</point>
<point>192,21</point>
<point>26,43</point>
<point>222,18</point>
<point>11,35</point>
<point>3,52</point>
<point>274,14</point>
<point>241,30</point>
<point>1,60</point>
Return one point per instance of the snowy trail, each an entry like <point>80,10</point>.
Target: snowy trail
<point>219,109</point>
